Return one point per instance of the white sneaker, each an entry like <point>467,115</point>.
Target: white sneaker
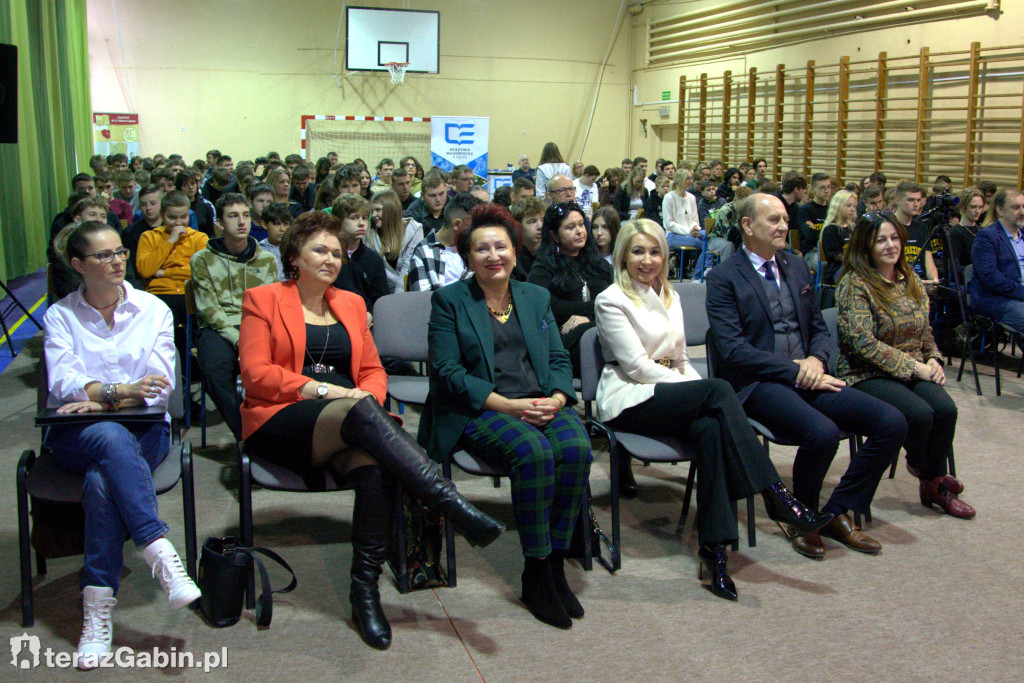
<point>97,625</point>
<point>166,565</point>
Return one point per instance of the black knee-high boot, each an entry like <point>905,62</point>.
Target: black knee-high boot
<point>369,427</point>
<point>369,550</point>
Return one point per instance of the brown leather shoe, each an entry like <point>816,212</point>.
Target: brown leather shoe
<point>843,530</point>
<point>935,491</point>
<point>809,545</point>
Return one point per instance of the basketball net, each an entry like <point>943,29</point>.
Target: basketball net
<point>397,70</point>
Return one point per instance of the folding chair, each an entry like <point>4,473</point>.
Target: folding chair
<point>400,324</point>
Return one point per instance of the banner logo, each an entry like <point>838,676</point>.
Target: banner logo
<point>458,133</point>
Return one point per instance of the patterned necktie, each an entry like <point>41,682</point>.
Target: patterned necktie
<point>769,274</point>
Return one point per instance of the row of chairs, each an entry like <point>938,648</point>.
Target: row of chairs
<point>400,331</point>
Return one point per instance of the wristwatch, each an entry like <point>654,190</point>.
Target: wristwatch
<point>321,390</point>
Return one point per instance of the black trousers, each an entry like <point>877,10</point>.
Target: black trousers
<point>931,420</point>
<point>731,463</point>
<point>176,302</point>
<point>813,420</point>
<point>218,362</point>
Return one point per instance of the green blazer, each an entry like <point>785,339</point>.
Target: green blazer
<point>462,357</point>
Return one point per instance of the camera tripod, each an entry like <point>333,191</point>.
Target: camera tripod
<point>939,219</point>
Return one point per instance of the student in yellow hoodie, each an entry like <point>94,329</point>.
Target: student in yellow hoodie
<point>164,256</point>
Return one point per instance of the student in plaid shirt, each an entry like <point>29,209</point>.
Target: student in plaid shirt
<point>435,262</point>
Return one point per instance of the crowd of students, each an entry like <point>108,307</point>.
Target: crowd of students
<point>286,259</point>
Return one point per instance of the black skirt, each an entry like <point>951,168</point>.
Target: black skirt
<point>286,439</point>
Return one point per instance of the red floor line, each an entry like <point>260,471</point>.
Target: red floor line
<point>464,647</point>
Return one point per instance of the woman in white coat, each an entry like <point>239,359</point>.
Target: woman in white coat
<point>649,387</point>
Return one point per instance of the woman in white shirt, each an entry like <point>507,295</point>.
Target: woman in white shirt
<point>551,164</point>
<point>679,214</point>
<point>110,346</point>
<point>648,386</point>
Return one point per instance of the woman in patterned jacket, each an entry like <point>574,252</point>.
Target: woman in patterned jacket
<point>887,350</point>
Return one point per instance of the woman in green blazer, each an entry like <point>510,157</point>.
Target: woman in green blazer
<point>500,387</point>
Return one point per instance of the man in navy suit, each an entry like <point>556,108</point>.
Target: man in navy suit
<point>774,349</point>
<point>998,255</point>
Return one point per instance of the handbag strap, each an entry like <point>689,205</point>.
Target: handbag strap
<point>265,603</point>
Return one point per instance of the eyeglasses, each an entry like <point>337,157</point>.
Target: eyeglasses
<point>107,256</point>
<point>564,192</point>
<point>563,209</point>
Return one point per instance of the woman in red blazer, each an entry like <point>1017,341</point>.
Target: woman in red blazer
<point>314,388</point>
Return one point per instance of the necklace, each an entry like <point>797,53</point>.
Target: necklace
<point>318,365</point>
<point>120,300</point>
<point>502,317</point>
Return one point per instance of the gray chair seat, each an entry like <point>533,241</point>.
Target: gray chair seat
<point>272,476</point>
<point>655,448</point>
<point>477,465</point>
<point>408,389</point>
<point>48,481</point>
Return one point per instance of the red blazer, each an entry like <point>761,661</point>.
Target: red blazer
<point>272,347</point>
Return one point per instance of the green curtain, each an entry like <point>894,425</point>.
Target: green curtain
<point>54,125</point>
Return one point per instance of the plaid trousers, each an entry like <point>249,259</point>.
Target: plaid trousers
<point>549,467</point>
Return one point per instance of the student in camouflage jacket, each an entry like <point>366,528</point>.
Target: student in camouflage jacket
<point>220,275</point>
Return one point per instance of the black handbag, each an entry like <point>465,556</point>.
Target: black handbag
<point>587,524</point>
<point>224,567</point>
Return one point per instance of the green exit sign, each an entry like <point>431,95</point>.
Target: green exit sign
<point>666,94</point>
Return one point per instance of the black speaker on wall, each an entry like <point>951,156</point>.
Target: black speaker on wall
<point>8,93</point>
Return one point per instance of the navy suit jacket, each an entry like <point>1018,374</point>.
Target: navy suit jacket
<point>996,278</point>
<point>741,322</point>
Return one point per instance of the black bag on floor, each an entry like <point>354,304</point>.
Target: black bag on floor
<point>587,524</point>
<point>224,568</point>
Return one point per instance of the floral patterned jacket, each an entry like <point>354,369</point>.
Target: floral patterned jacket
<point>873,343</point>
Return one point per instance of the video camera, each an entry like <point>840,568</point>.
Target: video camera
<point>943,204</point>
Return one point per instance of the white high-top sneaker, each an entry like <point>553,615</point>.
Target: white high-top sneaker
<point>97,625</point>
<point>166,565</point>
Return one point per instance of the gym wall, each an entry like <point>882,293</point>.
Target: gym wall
<point>238,74</point>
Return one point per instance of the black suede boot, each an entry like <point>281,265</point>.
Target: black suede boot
<point>369,550</point>
<point>571,605</point>
<point>368,426</point>
<point>540,596</point>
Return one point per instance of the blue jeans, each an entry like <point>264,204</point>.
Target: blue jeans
<point>675,240</point>
<point>1013,315</point>
<point>117,462</point>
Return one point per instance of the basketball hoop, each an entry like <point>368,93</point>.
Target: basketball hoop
<point>397,70</point>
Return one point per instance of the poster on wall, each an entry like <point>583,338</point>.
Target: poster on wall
<point>115,134</point>
<point>456,140</point>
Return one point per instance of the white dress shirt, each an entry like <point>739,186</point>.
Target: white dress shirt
<point>81,349</point>
<point>636,337</point>
<point>759,262</point>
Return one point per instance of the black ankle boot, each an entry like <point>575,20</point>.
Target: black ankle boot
<point>627,484</point>
<point>369,550</point>
<point>714,559</point>
<point>569,602</point>
<point>540,596</point>
<point>368,426</point>
<point>783,508</point>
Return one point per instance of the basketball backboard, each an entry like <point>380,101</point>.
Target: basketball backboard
<point>374,37</point>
